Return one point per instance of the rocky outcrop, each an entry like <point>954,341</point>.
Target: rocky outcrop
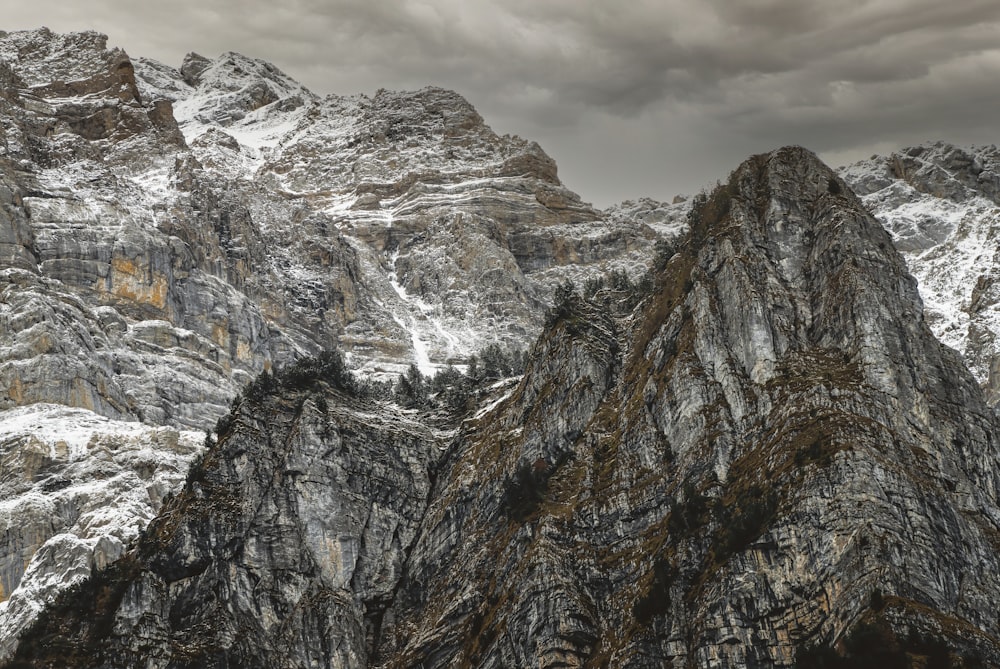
<point>771,462</point>
<point>942,205</point>
<point>282,550</point>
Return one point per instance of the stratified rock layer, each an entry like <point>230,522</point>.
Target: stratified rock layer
<point>771,457</point>
<point>166,234</point>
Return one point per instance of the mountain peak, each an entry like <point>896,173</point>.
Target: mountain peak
<point>229,88</point>
<point>41,56</point>
<point>233,71</point>
<point>769,192</point>
<point>758,452</point>
<point>192,67</point>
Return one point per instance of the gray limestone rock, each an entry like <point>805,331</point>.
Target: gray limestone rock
<point>770,458</point>
<point>166,235</point>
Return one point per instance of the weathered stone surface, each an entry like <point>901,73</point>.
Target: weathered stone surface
<point>282,550</point>
<point>167,234</point>
<point>771,457</point>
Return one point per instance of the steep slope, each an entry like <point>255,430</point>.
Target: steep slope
<point>782,458</point>
<point>771,458</point>
<point>122,290</point>
<point>942,205</point>
<point>455,228</point>
<point>166,234</point>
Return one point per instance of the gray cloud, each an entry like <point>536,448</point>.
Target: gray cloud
<point>645,97</point>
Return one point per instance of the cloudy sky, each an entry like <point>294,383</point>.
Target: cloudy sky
<point>634,97</point>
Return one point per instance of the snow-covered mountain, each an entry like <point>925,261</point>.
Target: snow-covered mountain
<point>167,233</point>
<point>769,462</point>
<point>220,218</point>
<point>941,203</point>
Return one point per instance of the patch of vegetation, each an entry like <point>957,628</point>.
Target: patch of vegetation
<point>656,601</point>
<point>494,363</point>
<point>566,303</point>
<point>328,366</point>
<point>411,389</point>
<point>709,210</point>
<point>450,389</point>
<point>525,491</point>
<point>453,389</point>
<point>617,293</point>
<point>815,453</point>
<point>743,521</point>
<point>873,645</point>
<point>691,514</point>
<point>663,251</point>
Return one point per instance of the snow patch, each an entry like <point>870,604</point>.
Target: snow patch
<point>423,360</point>
<point>102,481</point>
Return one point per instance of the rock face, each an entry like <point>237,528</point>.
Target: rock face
<point>780,455</point>
<point>166,234</point>
<point>942,205</point>
<point>771,461</point>
<point>75,490</point>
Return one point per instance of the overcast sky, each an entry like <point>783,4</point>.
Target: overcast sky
<point>631,97</point>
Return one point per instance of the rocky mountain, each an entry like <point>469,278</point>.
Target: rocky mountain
<point>942,205</point>
<point>765,458</point>
<point>168,233</point>
<point>182,229</point>
<point>769,461</point>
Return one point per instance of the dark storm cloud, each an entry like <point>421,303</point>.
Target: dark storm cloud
<point>640,97</point>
